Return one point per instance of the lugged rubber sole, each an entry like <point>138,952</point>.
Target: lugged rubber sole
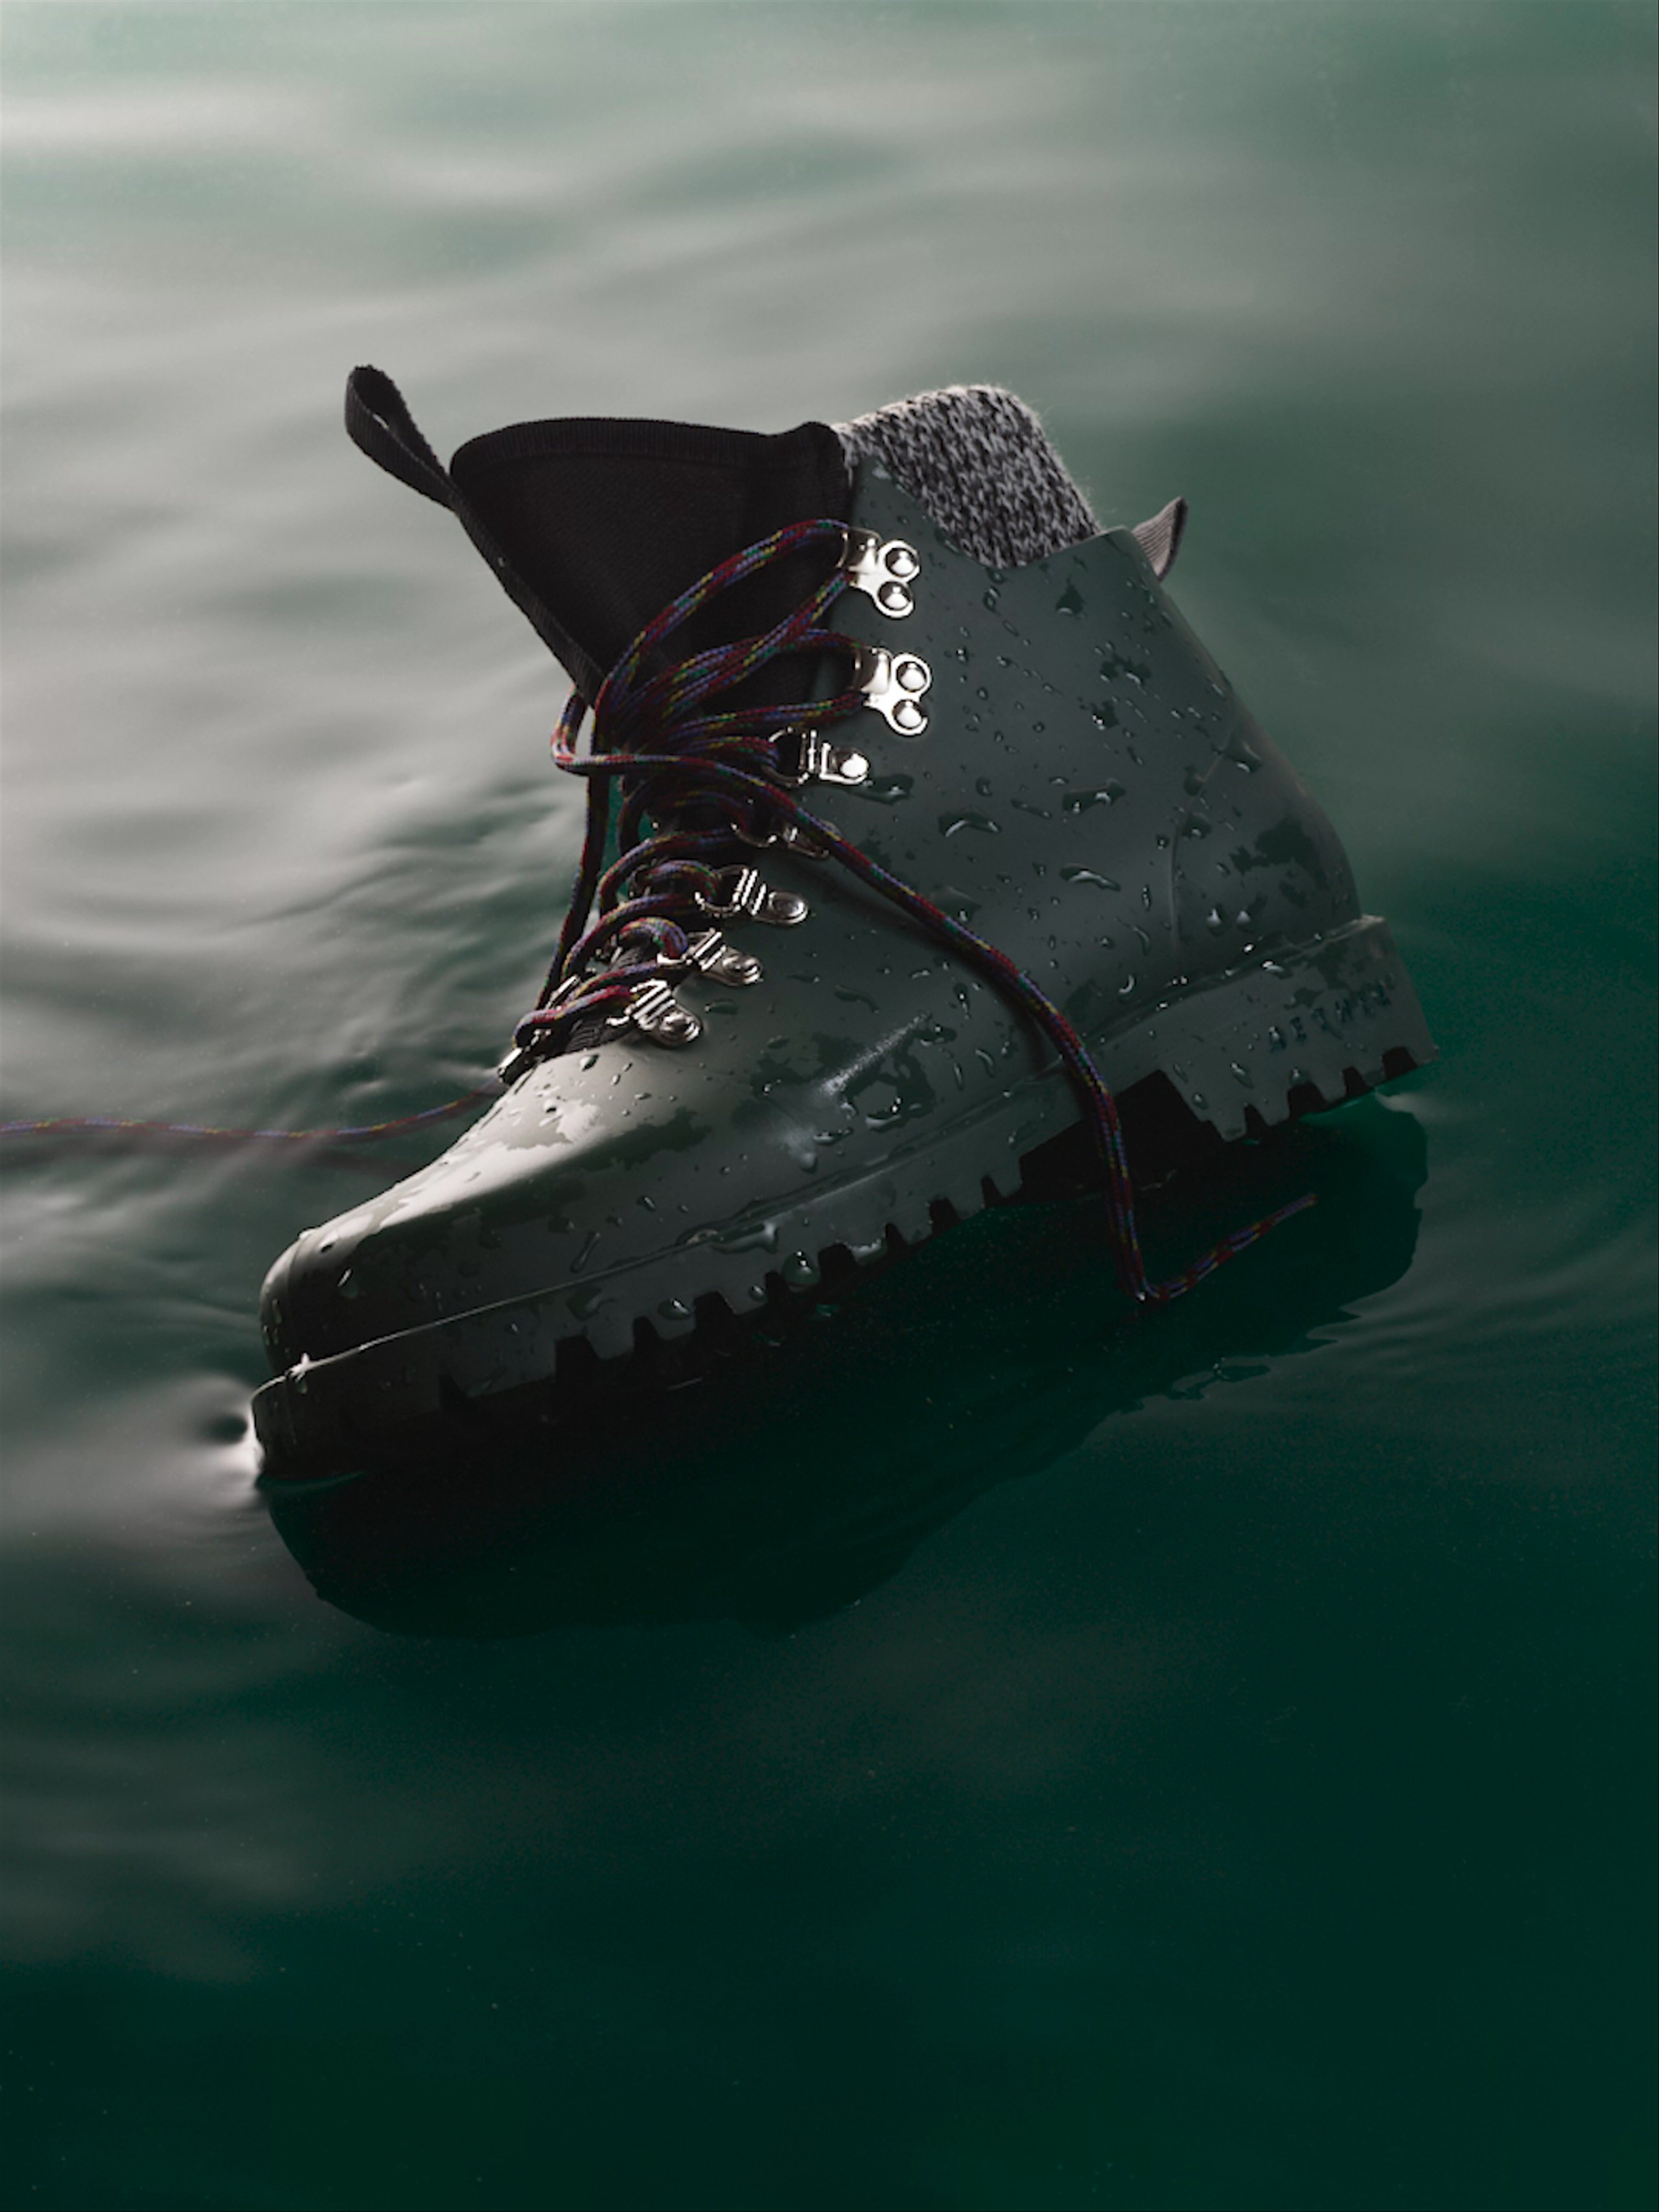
<point>1247,1051</point>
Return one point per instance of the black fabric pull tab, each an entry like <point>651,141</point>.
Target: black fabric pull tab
<point>1160,538</point>
<point>378,421</point>
<point>592,526</point>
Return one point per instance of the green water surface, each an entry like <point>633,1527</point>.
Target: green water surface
<point>985,1754</point>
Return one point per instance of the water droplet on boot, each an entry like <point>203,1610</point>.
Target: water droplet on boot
<point>1079,802</point>
<point>759,1236</point>
<point>589,1247</point>
<point>887,788</point>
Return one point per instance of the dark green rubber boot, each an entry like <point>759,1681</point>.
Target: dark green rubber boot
<point>773,1059</point>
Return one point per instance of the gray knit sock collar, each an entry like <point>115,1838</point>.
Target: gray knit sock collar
<point>981,463</point>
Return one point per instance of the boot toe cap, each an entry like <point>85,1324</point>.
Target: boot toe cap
<point>551,1191</point>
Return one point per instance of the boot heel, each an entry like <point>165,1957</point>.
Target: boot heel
<point>1300,1030</point>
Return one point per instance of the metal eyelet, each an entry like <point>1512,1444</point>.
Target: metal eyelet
<point>710,955</point>
<point>893,682</point>
<point>786,833</point>
<point>654,1011</point>
<point>801,842</point>
<point>740,890</point>
<point>882,571</point>
<point>805,755</point>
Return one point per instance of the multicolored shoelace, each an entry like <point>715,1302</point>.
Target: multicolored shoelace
<point>653,736</point>
<point>695,783</point>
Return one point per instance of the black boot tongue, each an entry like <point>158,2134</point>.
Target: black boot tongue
<point>595,525</point>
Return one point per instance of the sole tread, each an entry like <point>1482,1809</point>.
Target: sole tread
<point>845,1232</point>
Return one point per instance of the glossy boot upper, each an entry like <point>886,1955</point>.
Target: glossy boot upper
<point>1047,752</point>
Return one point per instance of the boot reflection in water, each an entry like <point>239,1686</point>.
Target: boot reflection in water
<point>924,839</point>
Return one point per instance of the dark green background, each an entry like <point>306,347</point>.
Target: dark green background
<point>1231,1784</point>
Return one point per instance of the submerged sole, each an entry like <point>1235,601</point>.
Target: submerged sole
<point>1246,1053</point>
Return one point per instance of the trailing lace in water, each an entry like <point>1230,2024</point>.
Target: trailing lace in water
<point>695,783</point>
